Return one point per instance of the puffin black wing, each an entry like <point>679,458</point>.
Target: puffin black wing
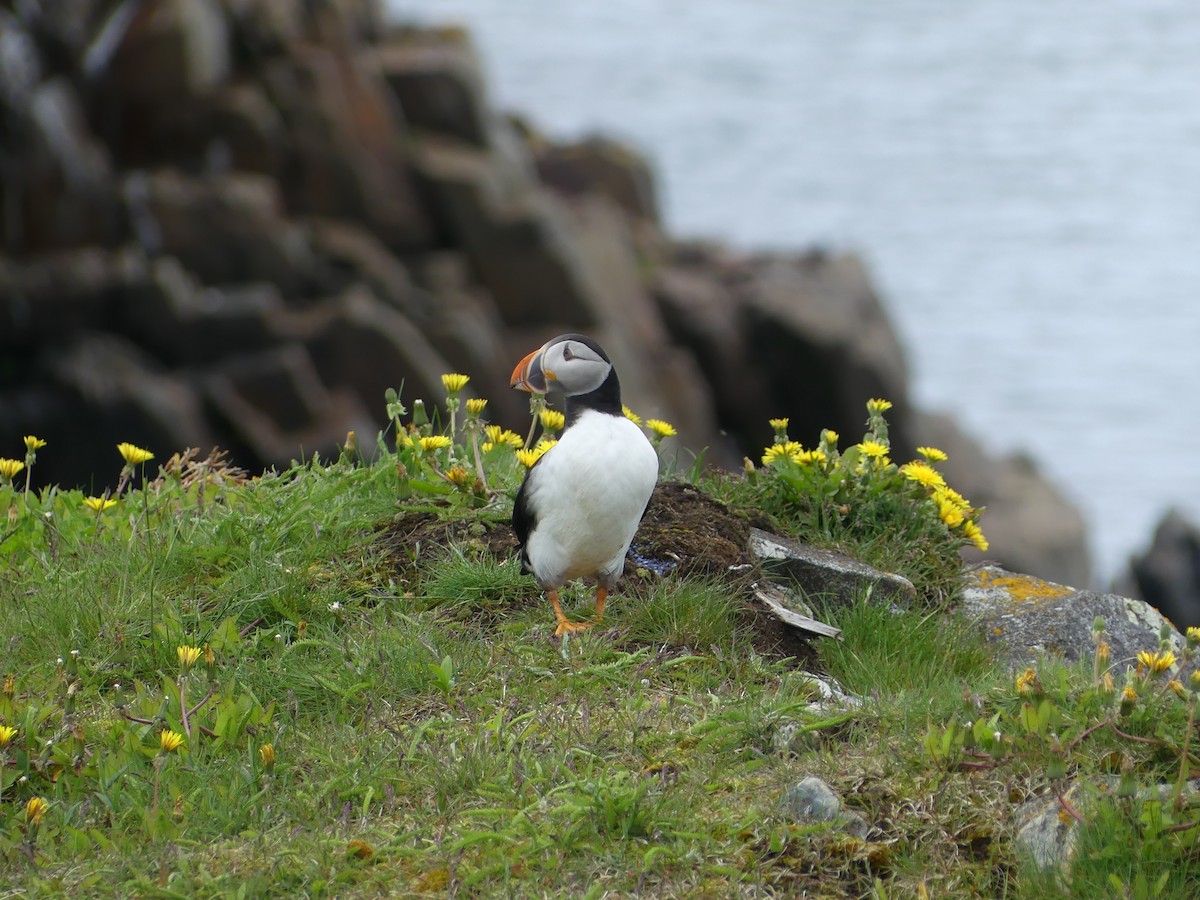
<point>524,520</point>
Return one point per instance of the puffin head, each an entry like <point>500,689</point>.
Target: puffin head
<point>569,364</point>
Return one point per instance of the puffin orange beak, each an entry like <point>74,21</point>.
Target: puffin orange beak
<point>528,375</point>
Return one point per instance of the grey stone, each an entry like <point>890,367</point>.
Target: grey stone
<point>1025,616</point>
<point>823,573</point>
<point>812,800</point>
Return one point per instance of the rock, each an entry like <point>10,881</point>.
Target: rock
<point>517,239</point>
<point>345,145</point>
<point>831,576</point>
<point>1167,575</point>
<point>812,800</point>
<point>1030,526</point>
<point>1025,616</point>
<point>172,52</point>
<point>224,229</point>
<point>362,345</point>
<point>57,295</point>
<point>816,324</point>
<point>437,79</point>
<point>101,390</point>
<point>276,406</point>
<point>598,166</point>
<point>249,128</point>
<point>57,187</point>
<point>1048,833</point>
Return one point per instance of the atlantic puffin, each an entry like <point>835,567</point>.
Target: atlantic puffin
<point>580,504</point>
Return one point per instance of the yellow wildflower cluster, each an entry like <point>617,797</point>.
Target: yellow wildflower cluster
<point>875,467</point>
<point>533,454</point>
<point>500,437</point>
<point>1156,662</point>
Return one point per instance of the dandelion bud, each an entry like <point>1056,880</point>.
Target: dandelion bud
<point>1103,653</point>
<point>35,810</point>
<point>1098,625</point>
<point>1193,636</point>
<point>266,754</point>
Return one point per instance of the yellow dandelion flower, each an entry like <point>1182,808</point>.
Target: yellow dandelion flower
<point>552,419</point>
<point>9,468</point>
<point>486,446</point>
<point>877,406</point>
<point>1177,686</point>
<point>266,754</point>
<point>513,439</point>
<point>99,504</point>
<point>779,426</point>
<point>1027,681</point>
<point>1157,662</point>
<point>454,382</point>
<point>923,474</point>
<point>187,656</point>
<point>543,445</point>
<point>1103,653</point>
<point>873,449</point>
<point>527,457</point>
<point>974,534</point>
<point>133,454</point>
<point>932,454</point>
<point>492,433</point>
<point>169,741</point>
<point>631,415</point>
<point>1128,694</point>
<point>661,428</point>
<point>431,442</point>
<point>785,450</point>
<point>33,443</point>
<point>811,456</point>
<point>457,475</point>
<point>7,733</point>
<point>475,406</point>
<point>950,495</point>
<point>209,657</point>
<point>949,513</point>
<point>35,810</point>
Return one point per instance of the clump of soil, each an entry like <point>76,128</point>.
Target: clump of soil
<point>688,532</point>
<point>684,532</point>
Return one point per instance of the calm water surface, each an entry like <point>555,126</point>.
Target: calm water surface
<point>1023,177</point>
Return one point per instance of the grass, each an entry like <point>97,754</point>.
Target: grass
<point>427,736</point>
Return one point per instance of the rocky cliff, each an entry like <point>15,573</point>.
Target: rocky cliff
<point>239,223</point>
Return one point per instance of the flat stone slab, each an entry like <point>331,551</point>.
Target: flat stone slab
<point>823,573</point>
<point>1026,616</point>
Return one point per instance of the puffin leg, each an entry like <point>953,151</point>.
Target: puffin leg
<point>565,625</point>
<point>601,597</point>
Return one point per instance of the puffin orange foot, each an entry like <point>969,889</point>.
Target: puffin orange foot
<point>566,626</point>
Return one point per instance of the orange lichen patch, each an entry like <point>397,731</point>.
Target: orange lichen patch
<point>1022,588</point>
